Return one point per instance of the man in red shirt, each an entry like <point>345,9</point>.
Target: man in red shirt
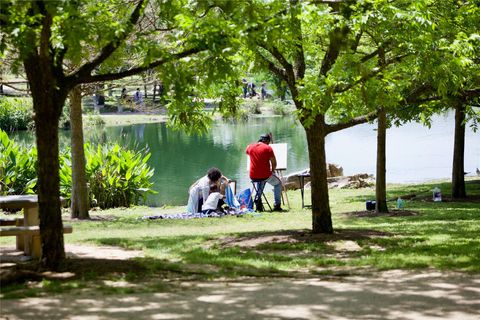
<point>262,167</point>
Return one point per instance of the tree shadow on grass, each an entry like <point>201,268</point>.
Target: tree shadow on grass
<point>423,192</point>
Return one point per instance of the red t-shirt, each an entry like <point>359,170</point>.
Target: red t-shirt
<point>260,155</point>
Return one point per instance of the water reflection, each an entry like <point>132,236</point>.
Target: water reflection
<point>414,152</point>
<point>180,159</point>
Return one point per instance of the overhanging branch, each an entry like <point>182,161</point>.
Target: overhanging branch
<point>107,51</point>
<point>352,122</point>
<point>137,70</point>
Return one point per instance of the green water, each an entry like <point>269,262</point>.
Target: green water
<point>180,159</point>
<point>414,153</point>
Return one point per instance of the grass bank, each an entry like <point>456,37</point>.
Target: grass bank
<point>425,235</point>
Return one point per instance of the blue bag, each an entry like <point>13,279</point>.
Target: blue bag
<point>230,198</point>
<point>245,199</point>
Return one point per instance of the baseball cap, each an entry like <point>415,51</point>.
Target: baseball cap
<point>264,138</point>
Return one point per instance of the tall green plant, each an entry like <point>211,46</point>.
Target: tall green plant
<point>16,114</point>
<point>116,177</point>
<point>17,167</point>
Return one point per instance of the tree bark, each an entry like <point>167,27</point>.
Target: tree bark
<point>321,215</point>
<point>48,100</point>
<point>380,185</point>
<point>458,169</point>
<point>80,202</point>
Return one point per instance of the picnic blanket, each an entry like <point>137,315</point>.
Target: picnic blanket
<point>237,205</point>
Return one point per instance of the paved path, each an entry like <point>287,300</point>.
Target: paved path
<point>389,295</point>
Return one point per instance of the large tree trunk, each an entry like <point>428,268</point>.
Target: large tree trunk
<point>458,170</point>
<point>380,185</point>
<point>321,215</point>
<point>80,203</point>
<point>48,100</point>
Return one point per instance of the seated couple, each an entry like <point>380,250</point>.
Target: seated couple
<point>207,193</point>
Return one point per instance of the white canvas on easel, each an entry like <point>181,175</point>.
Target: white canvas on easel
<point>280,151</point>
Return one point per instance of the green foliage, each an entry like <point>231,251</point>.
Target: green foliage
<point>253,106</point>
<point>17,167</point>
<point>116,177</point>
<point>280,109</point>
<point>16,114</point>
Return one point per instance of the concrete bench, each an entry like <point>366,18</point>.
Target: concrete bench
<point>11,222</point>
<point>33,232</point>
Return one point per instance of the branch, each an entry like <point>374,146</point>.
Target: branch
<point>410,99</point>
<point>106,51</point>
<point>373,73</point>
<point>298,52</point>
<point>329,2</point>
<point>369,56</point>
<point>276,54</point>
<point>273,68</point>
<point>336,40</point>
<point>9,84</point>
<point>352,122</point>
<point>472,93</point>
<point>133,71</point>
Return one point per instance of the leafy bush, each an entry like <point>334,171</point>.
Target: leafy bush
<point>280,109</point>
<point>116,177</point>
<point>253,106</point>
<point>17,167</point>
<point>16,114</point>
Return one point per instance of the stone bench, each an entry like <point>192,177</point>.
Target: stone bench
<point>11,222</point>
<point>34,232</point>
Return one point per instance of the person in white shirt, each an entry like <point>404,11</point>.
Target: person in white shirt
<point>203,187</point>
<point>211,204</point>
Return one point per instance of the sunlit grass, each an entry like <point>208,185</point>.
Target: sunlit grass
<point>443,236</point>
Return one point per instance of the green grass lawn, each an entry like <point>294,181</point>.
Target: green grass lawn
<point>444,236</point>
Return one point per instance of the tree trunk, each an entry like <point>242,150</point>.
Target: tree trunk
<point>80,203</point>
<point>321,215</point>
<point>380,185</point>
<point>458,170</point>
<point>48,100</point>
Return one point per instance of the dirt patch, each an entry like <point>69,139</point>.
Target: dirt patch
<point>93,218</point>
<point>389,295</point>
<point>373,214</point>
<point>81,262</point>
<point>300,236</point>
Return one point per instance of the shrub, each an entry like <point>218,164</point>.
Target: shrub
<point>17,167</point>
<point>16,114</point>
<point>116,177</point>
<point>280,109</point>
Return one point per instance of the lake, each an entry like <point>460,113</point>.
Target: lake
<point>415,153</point>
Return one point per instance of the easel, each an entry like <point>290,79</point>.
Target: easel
<point>280,151</point>
<point>284,189</point>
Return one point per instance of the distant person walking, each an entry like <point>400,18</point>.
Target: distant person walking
<point>123,95</point>
<point>251,89</point>
<point>245,87</point>
<point>264,90</point>
<point>138,97</point>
